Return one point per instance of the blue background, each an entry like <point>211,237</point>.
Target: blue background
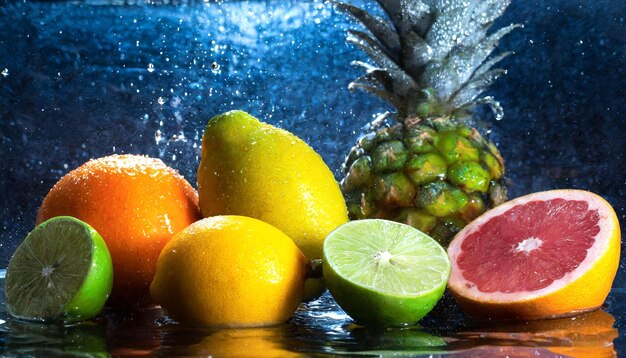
<point>78,84</point>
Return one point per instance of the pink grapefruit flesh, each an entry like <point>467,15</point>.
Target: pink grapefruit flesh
<point>528,257</point>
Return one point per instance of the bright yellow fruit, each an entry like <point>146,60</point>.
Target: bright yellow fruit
<point>253,169</point>
<point>232,271</point>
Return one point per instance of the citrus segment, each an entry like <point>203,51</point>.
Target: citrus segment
<point>542,255</point>
<point>230,271</point>
<point>385,273</point>
<point>136,203</point>
<point>61,271</point>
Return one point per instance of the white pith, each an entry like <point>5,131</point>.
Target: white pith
<point>606,222</point>
<point>528,245</point>
<point>383,257</point>
<point>47,271</point>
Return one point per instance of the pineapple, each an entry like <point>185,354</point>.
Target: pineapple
<point>424,164</point>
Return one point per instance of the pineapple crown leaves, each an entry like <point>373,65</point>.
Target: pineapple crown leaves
<point>437,44</point>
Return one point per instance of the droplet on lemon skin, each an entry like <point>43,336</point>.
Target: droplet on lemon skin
<point>253,169</point>
<point>230,271</point>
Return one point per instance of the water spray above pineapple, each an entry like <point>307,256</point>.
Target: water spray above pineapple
<point>425,165</point>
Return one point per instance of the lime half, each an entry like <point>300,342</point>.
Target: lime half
<point>384,273</point>
<point>62,271</point>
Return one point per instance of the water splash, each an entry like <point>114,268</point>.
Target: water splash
<point>496,107</point>
<point>158,136</point>
<point>216,68</point>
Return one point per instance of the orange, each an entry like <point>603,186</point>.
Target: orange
<point>231,271</point>
<point>546,254</point>
<point>136,203</point>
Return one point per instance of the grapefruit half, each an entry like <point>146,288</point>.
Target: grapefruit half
<point>547,254</point>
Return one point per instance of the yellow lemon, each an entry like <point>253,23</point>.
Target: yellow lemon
<point>232,271</point>
<point>253,169</point>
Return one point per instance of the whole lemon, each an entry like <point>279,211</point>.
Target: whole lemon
<point>231,271</point>
<point>253,169</point>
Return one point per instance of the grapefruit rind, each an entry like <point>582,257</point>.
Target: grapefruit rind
<point>581,290</point>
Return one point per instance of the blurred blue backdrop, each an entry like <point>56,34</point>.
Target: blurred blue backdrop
<point>80,80</point>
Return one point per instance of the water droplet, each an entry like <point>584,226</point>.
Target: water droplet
<point>496,107</point>
<point>150,67</point>
<point>215,67</point>
<point>161,101</point>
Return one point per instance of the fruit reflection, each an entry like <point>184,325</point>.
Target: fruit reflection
<point>587,335</point>
<point>46,340</point>
<point>246,342</point>
<point>395,341</point>
<point>134,332</point>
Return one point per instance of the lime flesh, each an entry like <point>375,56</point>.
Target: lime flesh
<point>62,271</point>
<point>384,273</point>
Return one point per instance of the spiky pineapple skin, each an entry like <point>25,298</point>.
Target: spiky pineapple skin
<point>426,166</point>
<point>434,174</point>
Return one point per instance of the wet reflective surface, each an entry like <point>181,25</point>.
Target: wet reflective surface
<point>321,328</point>
<point>81,80</point>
